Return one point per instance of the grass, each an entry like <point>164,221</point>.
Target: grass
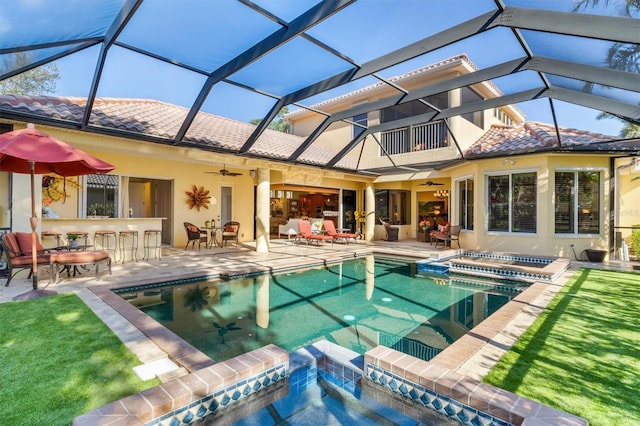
<point>59,361</point>
<point>582,354</point>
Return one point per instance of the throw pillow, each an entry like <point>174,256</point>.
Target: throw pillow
<point>24,242</point>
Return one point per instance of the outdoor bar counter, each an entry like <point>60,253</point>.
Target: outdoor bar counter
<point>93,224</point>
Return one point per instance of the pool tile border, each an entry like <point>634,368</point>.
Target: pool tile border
<point>202,393</point>
<point>553,267</point>
<point>461,398</point>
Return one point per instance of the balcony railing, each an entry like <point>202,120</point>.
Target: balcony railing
<point>422,137</point>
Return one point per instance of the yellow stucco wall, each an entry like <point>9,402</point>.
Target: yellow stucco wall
<point>184,167</point>
<point>545,241</point>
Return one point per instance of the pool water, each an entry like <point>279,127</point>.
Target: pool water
<point>358,304</point>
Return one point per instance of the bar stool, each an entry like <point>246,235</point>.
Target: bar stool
<point>79,234</point>
<point>132,246</point>
<point>152,240</point>
<point>102,237</point>
<point>52,234</point>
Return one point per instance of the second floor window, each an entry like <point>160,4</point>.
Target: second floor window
<point>359,119</point>
<point>512,202</point>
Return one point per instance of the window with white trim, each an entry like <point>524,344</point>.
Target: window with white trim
<point>577,202</point>
<point>102,195</point>
<point>512,202</point>
<point>362,119</point>
<point>465,203</point>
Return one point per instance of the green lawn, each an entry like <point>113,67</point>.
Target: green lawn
<point>59,361</point>
<point>582,355</point>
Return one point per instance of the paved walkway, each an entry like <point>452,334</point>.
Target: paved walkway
<point>236,260</point>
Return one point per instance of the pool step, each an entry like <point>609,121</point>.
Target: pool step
<point>428,266</point>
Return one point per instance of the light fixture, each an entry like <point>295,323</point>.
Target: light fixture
<point>508,161</point>
<point>252,173</point>
<point>442,193</point>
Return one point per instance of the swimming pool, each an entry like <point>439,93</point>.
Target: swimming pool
<point>358,304</point>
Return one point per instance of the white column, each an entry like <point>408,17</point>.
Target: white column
<point>262,211</point>
<point>370,271</point>
<point>370,202</point>
<point>262,301</point>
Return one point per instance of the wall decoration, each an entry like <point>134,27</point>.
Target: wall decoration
<point>198,197</point>
<point>431,208</point>
<point>54,188</point>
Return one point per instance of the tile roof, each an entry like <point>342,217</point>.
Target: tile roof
<point>530,137</point>
<point>162,120</point>
<point>462,58</point>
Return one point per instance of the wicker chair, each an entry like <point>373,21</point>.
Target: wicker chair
<point>195,234</point>
<point>230,232</point>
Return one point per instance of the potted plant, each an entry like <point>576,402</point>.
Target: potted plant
<point>595,255</point>
<point>73,240</point>
<point>635,240</point>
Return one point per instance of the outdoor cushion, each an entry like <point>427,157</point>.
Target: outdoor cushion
<point>231,228</point>
<point>11,243</point>
<point>24,242</point>
<point>79,257</point>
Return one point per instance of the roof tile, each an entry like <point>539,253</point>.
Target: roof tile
<point>163,120</point>
<point>529,137</point>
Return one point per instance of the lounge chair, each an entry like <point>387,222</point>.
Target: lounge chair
<point>330,230</point>
<point>290,229</point>
<point>230,232</point>
<point>195,234</point>
<point>304,231</point>
<point>17,246</point>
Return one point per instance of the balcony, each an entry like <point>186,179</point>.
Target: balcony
<point>422,137</point>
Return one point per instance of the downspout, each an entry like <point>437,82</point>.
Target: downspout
<point>614,218</point>
<point>613,212</point>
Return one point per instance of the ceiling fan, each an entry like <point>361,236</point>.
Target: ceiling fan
<point>430,182</point>
<point>225,172</point>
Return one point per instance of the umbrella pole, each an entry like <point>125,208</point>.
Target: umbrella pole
<point>34,225</point>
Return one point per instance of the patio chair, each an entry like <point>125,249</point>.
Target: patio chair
<point>330,230</point>
<point>455,235</point>
<point>450,233</point>
<point>230,232</point>
<point>392,231</point>
<point>440,232</point>
<point>17,246</point>
<point>195,234</point>
<point>305,233</point>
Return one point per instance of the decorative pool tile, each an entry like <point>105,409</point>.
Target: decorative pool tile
<point>420,395</point>
<point>222,399</point>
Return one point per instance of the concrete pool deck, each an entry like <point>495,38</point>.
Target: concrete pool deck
<point>471,356</point>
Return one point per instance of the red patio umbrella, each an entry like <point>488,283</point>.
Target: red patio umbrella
<point>33,152</point>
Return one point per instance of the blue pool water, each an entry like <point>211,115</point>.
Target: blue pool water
<point>358,304</point>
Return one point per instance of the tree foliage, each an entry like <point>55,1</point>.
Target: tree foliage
<point>38,81</point>
<point>278,123</point>
<point>620,56</point>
